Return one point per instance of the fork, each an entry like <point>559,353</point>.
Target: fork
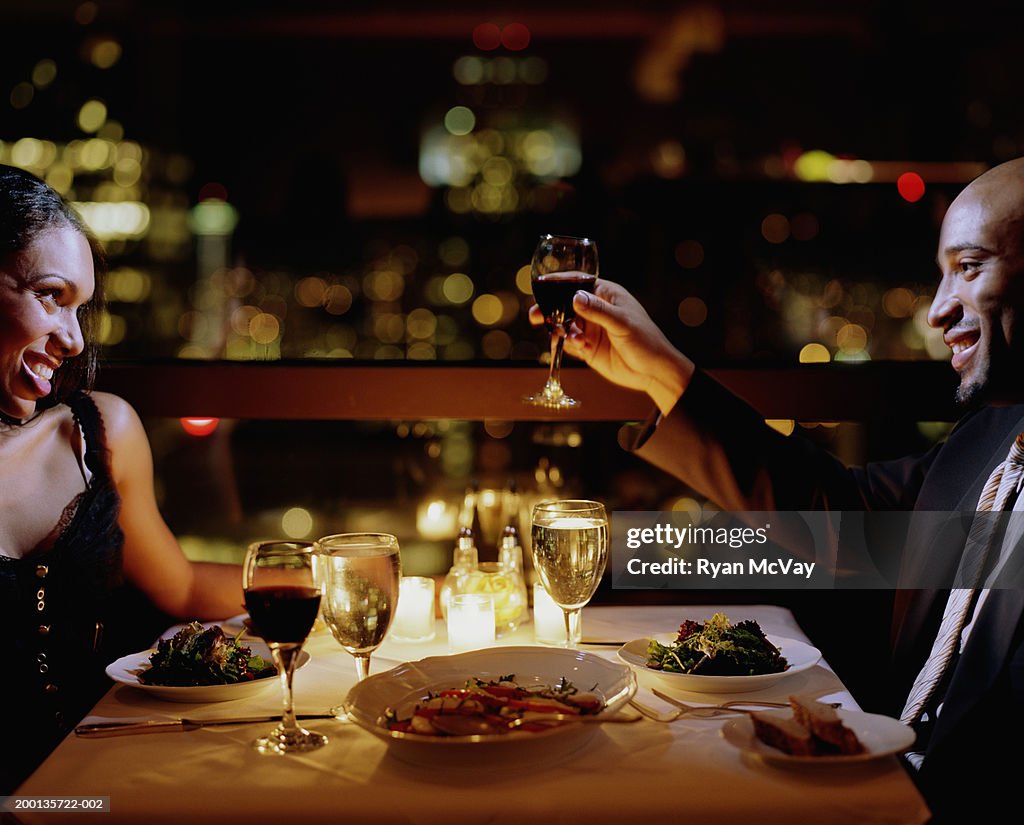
<point>702,711</point>
<point>733,706</point>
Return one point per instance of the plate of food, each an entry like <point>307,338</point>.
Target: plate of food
<point>199,664</point>
<point>718,656</point>
<point>811,732</point>
<point>486,704</point>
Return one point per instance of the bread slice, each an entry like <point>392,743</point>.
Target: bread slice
<point>784,733</point>
<point>825,726</point>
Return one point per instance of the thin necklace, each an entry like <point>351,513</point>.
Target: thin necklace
<point>11,421</point>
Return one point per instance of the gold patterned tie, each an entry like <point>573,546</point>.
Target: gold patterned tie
<point>1005,480</point>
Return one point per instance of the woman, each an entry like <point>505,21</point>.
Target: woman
<point>79,524</point>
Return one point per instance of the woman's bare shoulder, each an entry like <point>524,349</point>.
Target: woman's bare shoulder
<point>120,420</point>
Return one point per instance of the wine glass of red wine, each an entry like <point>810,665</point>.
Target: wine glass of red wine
<point>562,265</point>
<point>282,596</point>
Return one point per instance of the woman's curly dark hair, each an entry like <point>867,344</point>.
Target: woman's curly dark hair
<point>28,208</point>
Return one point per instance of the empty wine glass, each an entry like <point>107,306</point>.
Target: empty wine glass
<point>361,575</point>
<point>570,550</point>
<point>282,596</point>
<point>562,265</point>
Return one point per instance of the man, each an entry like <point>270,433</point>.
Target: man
<point>721,447</point>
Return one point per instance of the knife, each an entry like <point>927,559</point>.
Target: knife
<point>97,729</point>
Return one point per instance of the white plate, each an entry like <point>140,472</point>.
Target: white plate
<point>880,735</point>
<point>126,669</point>
<point>801,656</point>
<point>403,686</point>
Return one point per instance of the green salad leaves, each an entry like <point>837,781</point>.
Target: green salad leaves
<point>717,648</point>
<point>203,656</point>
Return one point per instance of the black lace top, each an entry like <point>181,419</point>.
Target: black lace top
<point>54,603</point>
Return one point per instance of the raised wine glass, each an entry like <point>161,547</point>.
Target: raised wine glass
<point>562,265</point>
<point>570,550</point>
<point>283,597</point>
<point>361,574</point>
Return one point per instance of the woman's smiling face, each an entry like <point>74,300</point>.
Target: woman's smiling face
<point>42,288</point>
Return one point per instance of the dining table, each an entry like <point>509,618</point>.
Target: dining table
<point>649,771</point>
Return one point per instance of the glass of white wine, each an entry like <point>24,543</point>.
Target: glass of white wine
<point>361,575</point>
<point>570,551</point>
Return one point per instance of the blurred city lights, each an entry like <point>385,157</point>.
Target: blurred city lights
<point>815,354</point>
<point>457,288</point>
<point>487,36</point>
<point>775,228</point>
<point>692,311</point>
<point>213,217</point>
<point>22,94</point>
<point>689,254</point>
<point>487,310</point>
<point>44,73</point>
<point>515,37</point>
<point>459,120</point>
<point>910,186</point>
<point>92,115</point>
<point>199,426</point>
<point>813,165</point>
<point>297,523</point>
<point>128,220</point>
<point>338,299</point>
<point>264,329</point>
<point>524,280</point>
<point>851,338</point>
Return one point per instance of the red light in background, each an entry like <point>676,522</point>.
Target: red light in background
<point>487,36</point>
<point>515,37</point>
<point>910,186</point>
<point>199,426</point>
<point>213,191</point>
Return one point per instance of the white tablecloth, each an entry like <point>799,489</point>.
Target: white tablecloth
<point>645,772</point>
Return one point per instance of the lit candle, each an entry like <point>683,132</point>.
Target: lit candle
<point>549,620</point>
<point>414,619</point>
<point>436,520</point>
<point>470,621</point>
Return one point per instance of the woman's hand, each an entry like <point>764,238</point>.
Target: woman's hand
<point>614,334</point>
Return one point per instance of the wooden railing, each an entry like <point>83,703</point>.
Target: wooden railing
<point>349,390</point>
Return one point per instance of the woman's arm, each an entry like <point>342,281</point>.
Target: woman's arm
<point>153,560</point>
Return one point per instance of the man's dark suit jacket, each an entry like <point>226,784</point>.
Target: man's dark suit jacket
<point>721,447</point>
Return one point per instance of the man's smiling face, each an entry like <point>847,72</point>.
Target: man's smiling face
<point>980,299</point>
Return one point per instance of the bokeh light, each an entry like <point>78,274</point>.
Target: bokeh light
<point>297,523</point>
<point>487,36</point>
<point>515,37</point>
<point>199,426</point>
<point>910,186</point>
<point>459,120</point>
<point>487,309</point>
<point>815,353</point>
<point>693,311</point>
<point>92,115</point>
<point>775,228</point>
<point>44,73</point>
<point>458,288</point>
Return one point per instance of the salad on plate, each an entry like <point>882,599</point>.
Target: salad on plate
<point>198,655</point>
<point>717,647</point>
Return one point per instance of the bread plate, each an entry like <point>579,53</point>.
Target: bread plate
<point>880,735</point>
